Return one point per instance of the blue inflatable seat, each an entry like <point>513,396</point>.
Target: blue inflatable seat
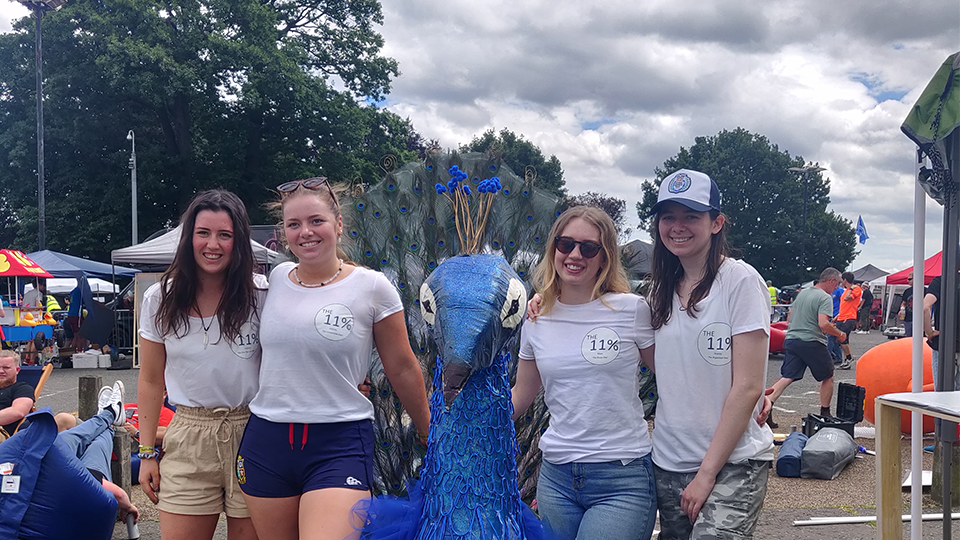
<point>57,497</point>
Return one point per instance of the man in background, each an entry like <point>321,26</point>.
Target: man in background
<point>866,304</point>
<point>847,316</point>
<point>16,398</point>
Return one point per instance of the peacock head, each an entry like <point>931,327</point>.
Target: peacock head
<point>473,305</point>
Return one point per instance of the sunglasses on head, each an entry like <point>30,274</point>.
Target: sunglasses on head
<point>588,248</point>
<point>313,184</point>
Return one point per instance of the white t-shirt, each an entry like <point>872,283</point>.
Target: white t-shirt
<point>694,371</point>
<point>318,346</point>
<point>588,357</point>
<point>222,374</point>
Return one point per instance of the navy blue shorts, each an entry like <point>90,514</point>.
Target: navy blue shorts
<point>286,460</point>
<point>799,355</point>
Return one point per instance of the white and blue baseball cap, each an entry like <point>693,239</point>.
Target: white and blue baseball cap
<point>692,189</point>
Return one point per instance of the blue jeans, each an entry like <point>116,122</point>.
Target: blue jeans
<point>833,345</point>
<point>598,501</point>
<point>935,364</point>
<point>91,442</point>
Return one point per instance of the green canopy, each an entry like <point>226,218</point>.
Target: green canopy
<point>932,119</point>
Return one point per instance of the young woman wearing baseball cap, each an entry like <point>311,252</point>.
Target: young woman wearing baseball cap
<point>711,317</point>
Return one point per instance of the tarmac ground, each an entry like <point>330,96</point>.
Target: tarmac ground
<point>852,493</point>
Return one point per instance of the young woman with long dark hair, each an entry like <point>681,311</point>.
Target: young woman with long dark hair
<point>307,455</point>
<point>199,339</point>
<point>711,315</point>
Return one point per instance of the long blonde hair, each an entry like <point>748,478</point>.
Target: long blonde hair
<point>612,276</point>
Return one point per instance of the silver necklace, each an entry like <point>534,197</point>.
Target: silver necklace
<point>296,276</point>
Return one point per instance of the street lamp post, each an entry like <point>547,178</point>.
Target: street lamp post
<point>133,184</point>
<point>39,7</point>
<point>804,172</point>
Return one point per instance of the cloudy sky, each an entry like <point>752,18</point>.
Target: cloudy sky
<point>615,87</point>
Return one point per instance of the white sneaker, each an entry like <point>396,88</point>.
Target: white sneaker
<point>105,399</point>
<point>117,399</point>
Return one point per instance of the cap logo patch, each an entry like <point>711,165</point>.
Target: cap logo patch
<point>680,183</point>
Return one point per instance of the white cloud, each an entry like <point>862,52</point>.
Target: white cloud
<point>614,88</point>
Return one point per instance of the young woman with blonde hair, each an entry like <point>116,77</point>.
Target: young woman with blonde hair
<point>584,348</point>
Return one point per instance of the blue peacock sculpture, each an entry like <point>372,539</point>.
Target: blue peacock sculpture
<point>412,227</point>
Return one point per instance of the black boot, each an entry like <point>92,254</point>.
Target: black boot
<point>824,411</point>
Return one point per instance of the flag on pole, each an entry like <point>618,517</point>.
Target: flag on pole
<point>862,230</point>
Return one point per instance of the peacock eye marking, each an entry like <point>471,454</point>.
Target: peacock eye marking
<point>511,314</point>
<point>427,301</point>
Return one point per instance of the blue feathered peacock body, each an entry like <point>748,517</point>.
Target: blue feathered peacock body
<point>406,229</point>
<point>473,305</point>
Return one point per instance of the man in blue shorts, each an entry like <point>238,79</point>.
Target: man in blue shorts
<point>805,344</point>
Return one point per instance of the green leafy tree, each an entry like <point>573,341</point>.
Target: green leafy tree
<point>522,156</point>
<point>239,94</point>
<point>614,207</point>
<point>763,202</point>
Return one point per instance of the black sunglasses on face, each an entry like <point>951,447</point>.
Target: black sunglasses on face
<point>312,184</point>
<point>588,248</point>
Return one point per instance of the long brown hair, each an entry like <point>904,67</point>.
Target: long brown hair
<point>612,277</point>
<point>667,272</point>
<point>178,285</point>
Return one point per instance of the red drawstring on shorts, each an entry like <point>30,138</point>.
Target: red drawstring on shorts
<point>303,438</point>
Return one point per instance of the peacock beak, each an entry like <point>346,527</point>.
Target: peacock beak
<point>454,377</point>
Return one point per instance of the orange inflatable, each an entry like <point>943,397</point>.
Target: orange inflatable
<point>886,369</point>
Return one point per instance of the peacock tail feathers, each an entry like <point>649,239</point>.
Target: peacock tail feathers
<point>403,227</point>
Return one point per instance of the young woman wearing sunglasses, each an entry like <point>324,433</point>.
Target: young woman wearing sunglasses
<point>712,319</point>
<point>198,339</point>
<point>596,480</point>
<point>306,457</point>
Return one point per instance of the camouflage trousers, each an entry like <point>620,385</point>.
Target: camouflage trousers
<point>731,510</point>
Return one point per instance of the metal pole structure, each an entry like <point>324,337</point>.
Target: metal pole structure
<point>133,186</point>
<point>947,318</point>
<point>41,211</point>
<point>916,418</point>
<point>804,172</point>
<point>803,228</point>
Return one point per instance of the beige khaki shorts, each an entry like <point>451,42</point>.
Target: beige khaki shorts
<point>197,470</point>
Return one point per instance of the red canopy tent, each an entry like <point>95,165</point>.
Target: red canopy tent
<point>15,263</point>
<point>931,269</point>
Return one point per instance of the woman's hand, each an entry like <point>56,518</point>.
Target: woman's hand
<point>767,407</point>
<point>150,478</point>
<point>695,494</point>
<point>533,306</point>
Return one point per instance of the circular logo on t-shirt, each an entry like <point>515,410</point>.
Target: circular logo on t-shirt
<point>334,321</point>
<point>714,343</point>
<point>600,346</point>
<point>248,342</point>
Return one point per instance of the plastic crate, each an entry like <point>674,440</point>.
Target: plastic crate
<point>849,411</point>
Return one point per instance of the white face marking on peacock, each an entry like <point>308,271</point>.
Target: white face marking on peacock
<point>512,312</point>
<point>428,304</point>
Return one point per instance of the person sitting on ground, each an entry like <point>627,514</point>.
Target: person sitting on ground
<point>16,398</point>
<point>92,442</point>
